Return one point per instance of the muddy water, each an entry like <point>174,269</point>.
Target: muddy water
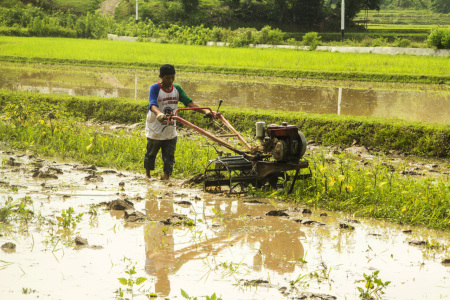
<point>428,103</point>
<point>231,247</point>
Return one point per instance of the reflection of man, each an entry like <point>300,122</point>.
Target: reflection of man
<point>159,246</point>
<point>280,249</point>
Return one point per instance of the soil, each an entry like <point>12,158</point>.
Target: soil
<point>179,238</point>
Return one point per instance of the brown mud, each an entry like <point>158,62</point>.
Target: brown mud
<point>178,237</point>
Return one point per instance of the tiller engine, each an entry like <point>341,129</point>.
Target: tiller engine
<point>281,149</point>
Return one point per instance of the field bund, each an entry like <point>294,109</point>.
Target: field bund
<point>379,134</point>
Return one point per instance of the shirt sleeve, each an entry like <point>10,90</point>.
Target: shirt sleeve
<point>153,96</point>
<point>183,97</point>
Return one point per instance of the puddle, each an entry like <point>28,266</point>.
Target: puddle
<point>208,243</point>
<point>427,103</point>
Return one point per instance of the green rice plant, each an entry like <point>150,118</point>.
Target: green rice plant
<point>274,62</point>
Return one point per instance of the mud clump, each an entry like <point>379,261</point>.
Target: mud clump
<point>277,213</point>
<point>417,243</point>
<point>120,204</point>
<point>79,241</point>
<point>346,226</point>
<point>9,246</point>
<point>177,219</point>
<point>446,261</point>
<point>11,162</point>
<point>310,222</point>
<point>254,202</point>
<point>85,168</point>
<point>93,178</point>
<point>184,203</point>
<point>46,173</point>
<point>314,296</point>
<point>135,216</point>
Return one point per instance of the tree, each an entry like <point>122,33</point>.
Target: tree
<point>440,6</point>
<point>190,5</point>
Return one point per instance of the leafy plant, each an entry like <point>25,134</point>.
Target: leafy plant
<point>68,219</point>
<point>186,296</point>
<point>130,282</point>
<point>374,286</point>
<point>312,39</point>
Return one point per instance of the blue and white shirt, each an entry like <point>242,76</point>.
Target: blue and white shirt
<point>167,102</point>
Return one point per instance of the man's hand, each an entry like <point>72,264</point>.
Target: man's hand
<point>161,117</point>
<point>208,115</point>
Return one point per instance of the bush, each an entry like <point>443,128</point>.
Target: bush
<point>312,39</point>
<point>439,38</point>
<point>403,43</point>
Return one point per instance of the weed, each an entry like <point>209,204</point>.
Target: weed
<point>130,282</point>
<point>374,286</point>
<point>186,296</point>
<point>68,219</point>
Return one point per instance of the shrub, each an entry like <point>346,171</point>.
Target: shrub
<point>399,42</point>
<point>439,38</point>
<point>312,39</point>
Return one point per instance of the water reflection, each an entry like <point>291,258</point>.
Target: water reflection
<point>416,105</point>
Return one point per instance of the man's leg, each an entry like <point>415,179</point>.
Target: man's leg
<point>168,156</point>
<point>150,156</point>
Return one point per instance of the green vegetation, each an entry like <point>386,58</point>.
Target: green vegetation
<point>238,23</point>
<point>52,125</point>
<point>374,286</point>
<point>273,62</point>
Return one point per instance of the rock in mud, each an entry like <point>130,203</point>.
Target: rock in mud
<point>407,231</point>
<point>93,178</point>
<point>346,226</point>
<point>121,204</point>
<point>79,241</point>
<point>177,219</point>
<point>323,215</point>
<point>277,213</point>
<point>417,243</point>
<point>446,261</point>
<point>313,296</point>
<point>135,216</point>
<point>122,183</point>
<point>9,246</point>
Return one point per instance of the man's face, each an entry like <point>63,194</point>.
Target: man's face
<point>167,81</point>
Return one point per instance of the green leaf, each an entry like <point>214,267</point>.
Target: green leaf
<point>123,280</point>
<point>140,280</point>
<point>184,294</point>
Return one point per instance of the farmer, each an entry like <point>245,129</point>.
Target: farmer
<point>163,101</point>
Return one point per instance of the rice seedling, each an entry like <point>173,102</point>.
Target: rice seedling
<point>278,62</point>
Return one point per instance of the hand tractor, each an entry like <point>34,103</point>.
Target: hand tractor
<point>281,149</point>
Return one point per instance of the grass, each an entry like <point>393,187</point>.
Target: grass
<point>277,62</point>
<point>371,190</point>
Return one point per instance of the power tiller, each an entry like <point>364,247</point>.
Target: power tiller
<point>280,149</point>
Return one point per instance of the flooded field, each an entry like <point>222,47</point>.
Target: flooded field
<point>175,237</point>
<point>417,102</point>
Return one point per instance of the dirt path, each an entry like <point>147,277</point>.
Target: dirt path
<point>109,7</point>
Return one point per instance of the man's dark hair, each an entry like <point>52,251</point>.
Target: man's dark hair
<point>166,70</point>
